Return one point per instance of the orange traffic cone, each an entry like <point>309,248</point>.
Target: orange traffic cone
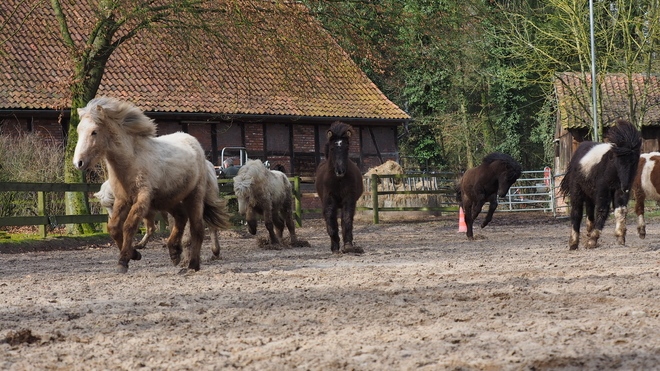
<point>462,227</point>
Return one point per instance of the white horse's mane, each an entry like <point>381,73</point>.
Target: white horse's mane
<point>253,171</point>
<point>131,117</point>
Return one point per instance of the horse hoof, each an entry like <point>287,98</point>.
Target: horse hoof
<point>194,265</point>
<point>641,232</point>
<point>136,255</point>
<point>621,240</point>
<point>348,249</point>
<point>122,268</point>
<point>185,271</point>
<point>573,247</point>
<point>591,244</point>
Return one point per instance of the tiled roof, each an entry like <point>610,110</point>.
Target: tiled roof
<point>255,75</point>
<point>574,99</point>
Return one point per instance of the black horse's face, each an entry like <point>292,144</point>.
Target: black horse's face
<point>338,154</point>
<point>626,167</point>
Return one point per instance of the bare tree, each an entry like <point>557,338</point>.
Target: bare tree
<point>555,37</point>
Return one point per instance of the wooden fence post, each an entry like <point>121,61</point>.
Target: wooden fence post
<point>298,201</point>
<point>41,210</point>
<point>374,196</point>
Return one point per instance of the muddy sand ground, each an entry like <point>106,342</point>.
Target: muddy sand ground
<point>421,297</point>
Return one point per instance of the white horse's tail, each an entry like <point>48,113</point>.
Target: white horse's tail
<point>215,214</point>
<point>215,208</point>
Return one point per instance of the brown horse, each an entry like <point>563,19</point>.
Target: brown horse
<point>339,185</point>
<point>485,182</point>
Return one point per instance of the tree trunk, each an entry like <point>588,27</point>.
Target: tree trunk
<point>77,203</point>
<point>468,145</point>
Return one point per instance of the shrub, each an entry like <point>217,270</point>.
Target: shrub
<point>27,158</point>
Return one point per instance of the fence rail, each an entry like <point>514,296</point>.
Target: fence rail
<point>534,191</point>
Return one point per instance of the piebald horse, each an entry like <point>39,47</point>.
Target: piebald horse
<point>646,186</point>
<point>600,175</point>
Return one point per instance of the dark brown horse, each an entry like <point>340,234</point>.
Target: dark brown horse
<point>485,182</point>
<point>339,185</point>
<point>600,175</point>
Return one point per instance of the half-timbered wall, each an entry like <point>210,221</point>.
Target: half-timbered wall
<point>296,147</point>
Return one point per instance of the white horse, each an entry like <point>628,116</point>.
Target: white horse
<point>106,198</point>
<point>265,192</point>
<point>166,173</point>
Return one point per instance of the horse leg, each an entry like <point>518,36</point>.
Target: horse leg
<point>620,212</point>
<point>278,223</point>
<point>640,198</point>
<point>577,207</point>
<point>138,211</point>
<point>251,219</point>
<point>591,215</point>
<point>178,219</point>
<point>288,219</point>
<point>347,214</point>
<point>492,205</point>
<point>195,206</point>
<point>215,242</point>
<point>469,218</point>
<point>602,212</point>
<point>330,216</point>
<point>150,224</point>
<point>116,223</point>
<point>472,214</point>
<point>269,223</point>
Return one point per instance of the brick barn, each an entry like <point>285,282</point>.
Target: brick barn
<point>274,92</point>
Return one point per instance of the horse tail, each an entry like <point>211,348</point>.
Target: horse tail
<point>459,192</point>
<point>215,214</point>
<point>215,208</point>
<point>564,188</point>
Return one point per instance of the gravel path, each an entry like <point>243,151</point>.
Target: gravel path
<point>421,297</point>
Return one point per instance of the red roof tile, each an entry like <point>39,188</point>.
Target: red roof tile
<point>574,99</point>
<point>314,78</point>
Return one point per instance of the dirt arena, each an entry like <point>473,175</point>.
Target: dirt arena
<point>421,297</point>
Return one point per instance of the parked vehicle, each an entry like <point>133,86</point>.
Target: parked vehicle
<point>231,159</point>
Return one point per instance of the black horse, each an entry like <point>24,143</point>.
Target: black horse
<point>339,185</point>
<point>485,182</point>
<point>600,175</point>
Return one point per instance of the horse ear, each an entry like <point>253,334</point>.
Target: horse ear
<point>329,134</point>
<point>100,110</point>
